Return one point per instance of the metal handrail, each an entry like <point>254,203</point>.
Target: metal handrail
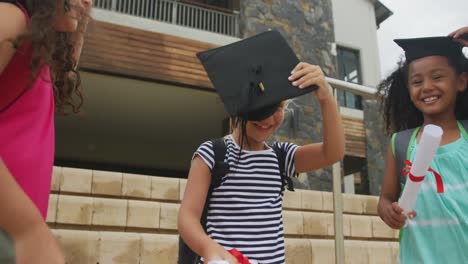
<point>364,91</point>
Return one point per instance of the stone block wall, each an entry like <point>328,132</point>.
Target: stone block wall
<point>308,27</point>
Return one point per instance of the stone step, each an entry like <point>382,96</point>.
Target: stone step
<point>98,213</point>
<point>91,247</point>
<point>114,184</point>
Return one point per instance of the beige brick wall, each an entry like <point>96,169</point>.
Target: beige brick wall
<point>133,219</point>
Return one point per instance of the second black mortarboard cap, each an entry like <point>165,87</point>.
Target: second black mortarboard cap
<point>416,48</point>
<point>251,75</point>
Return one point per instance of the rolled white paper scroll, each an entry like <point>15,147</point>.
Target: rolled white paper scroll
<point>225,262</point>
<point>430,141</point>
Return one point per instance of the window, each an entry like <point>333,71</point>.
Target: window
<point>356,178</point>
<point>349,69</point>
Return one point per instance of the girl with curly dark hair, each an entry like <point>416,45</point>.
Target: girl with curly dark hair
<point>430,87</point>
<point>40,43</point>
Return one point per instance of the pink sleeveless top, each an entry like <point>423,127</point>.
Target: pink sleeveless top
<point>27,126</point>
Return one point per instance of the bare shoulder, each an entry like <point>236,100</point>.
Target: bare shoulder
<point>12,21</point>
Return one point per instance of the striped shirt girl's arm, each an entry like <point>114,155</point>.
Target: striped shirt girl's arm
<point>206,152</point>
<point>290,150</point>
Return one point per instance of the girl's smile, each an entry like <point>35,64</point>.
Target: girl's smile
<point>264,128</point>
<point>430,99</point>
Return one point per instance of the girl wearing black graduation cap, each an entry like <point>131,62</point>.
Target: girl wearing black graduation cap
<point>254,78</point>
<point>430,87</point>
<point>40,43</point>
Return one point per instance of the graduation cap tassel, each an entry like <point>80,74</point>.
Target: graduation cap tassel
<point>262,87</point>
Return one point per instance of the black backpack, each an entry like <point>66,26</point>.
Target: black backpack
<point>221,168</point>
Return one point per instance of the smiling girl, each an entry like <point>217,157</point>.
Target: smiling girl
<point>430,87</point>
<point>245,211</point>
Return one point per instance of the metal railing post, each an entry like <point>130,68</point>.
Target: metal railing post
<point>338,205</point>
<point>114,5</point>
<point>174,12</point>
<point>338,213</point>
<point>236,23</point>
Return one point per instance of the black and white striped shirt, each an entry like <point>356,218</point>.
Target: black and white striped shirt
<point>245,211</point>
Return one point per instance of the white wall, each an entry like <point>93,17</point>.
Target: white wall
<point>355,28</point>
<point>348,183</point>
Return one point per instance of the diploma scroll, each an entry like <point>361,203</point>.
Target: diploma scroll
<point>430,141</point>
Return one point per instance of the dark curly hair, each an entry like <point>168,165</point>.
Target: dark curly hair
<point>398,109</point>
<point>55,49</point>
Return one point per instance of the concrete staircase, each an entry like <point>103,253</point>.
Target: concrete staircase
<point>107,217</point>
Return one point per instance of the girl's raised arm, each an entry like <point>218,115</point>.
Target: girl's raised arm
<point>314,156</point>
<point>34,243</point>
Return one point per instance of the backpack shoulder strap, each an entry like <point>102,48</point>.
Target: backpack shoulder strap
<point>281,156</point>
<point>401,142</point>
<point>220,167</point>
<point>464,128</point>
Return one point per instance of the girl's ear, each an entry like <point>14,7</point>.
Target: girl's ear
<point>462,81</point>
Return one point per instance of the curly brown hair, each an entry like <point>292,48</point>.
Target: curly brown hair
<point>55,49</point>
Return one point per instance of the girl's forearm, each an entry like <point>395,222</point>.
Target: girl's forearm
<point>383,202</point>
<point>333,133</point>
<point>18,213</point>
<point>194,236</point>
<point>78,40</point>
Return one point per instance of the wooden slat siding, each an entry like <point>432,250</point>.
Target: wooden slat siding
<point>128,70</point>
<point>164,63</point>
<point>355,135</point>
<point>138,49</point>
<point>161,63</point>
<point>144,70</point>
<point>146,41</point>
<point>137,53</point>
<point>167,39</point>
<point>131,63</point>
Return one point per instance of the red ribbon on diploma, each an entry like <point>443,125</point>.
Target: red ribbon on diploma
<point>241,258</point>
<point>439,182</point>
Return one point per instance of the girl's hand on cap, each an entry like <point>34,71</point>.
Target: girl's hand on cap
<point>305,75</point>
<point>460,35</point>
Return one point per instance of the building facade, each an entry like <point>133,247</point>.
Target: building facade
<point>149,103</point>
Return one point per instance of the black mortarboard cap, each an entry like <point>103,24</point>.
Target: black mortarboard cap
<point>251,75</point>
<point>416,48</point>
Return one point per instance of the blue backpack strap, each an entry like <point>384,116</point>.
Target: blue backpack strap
<point>463,126</point>
<point>401,144</point>
<point>281,156</point>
